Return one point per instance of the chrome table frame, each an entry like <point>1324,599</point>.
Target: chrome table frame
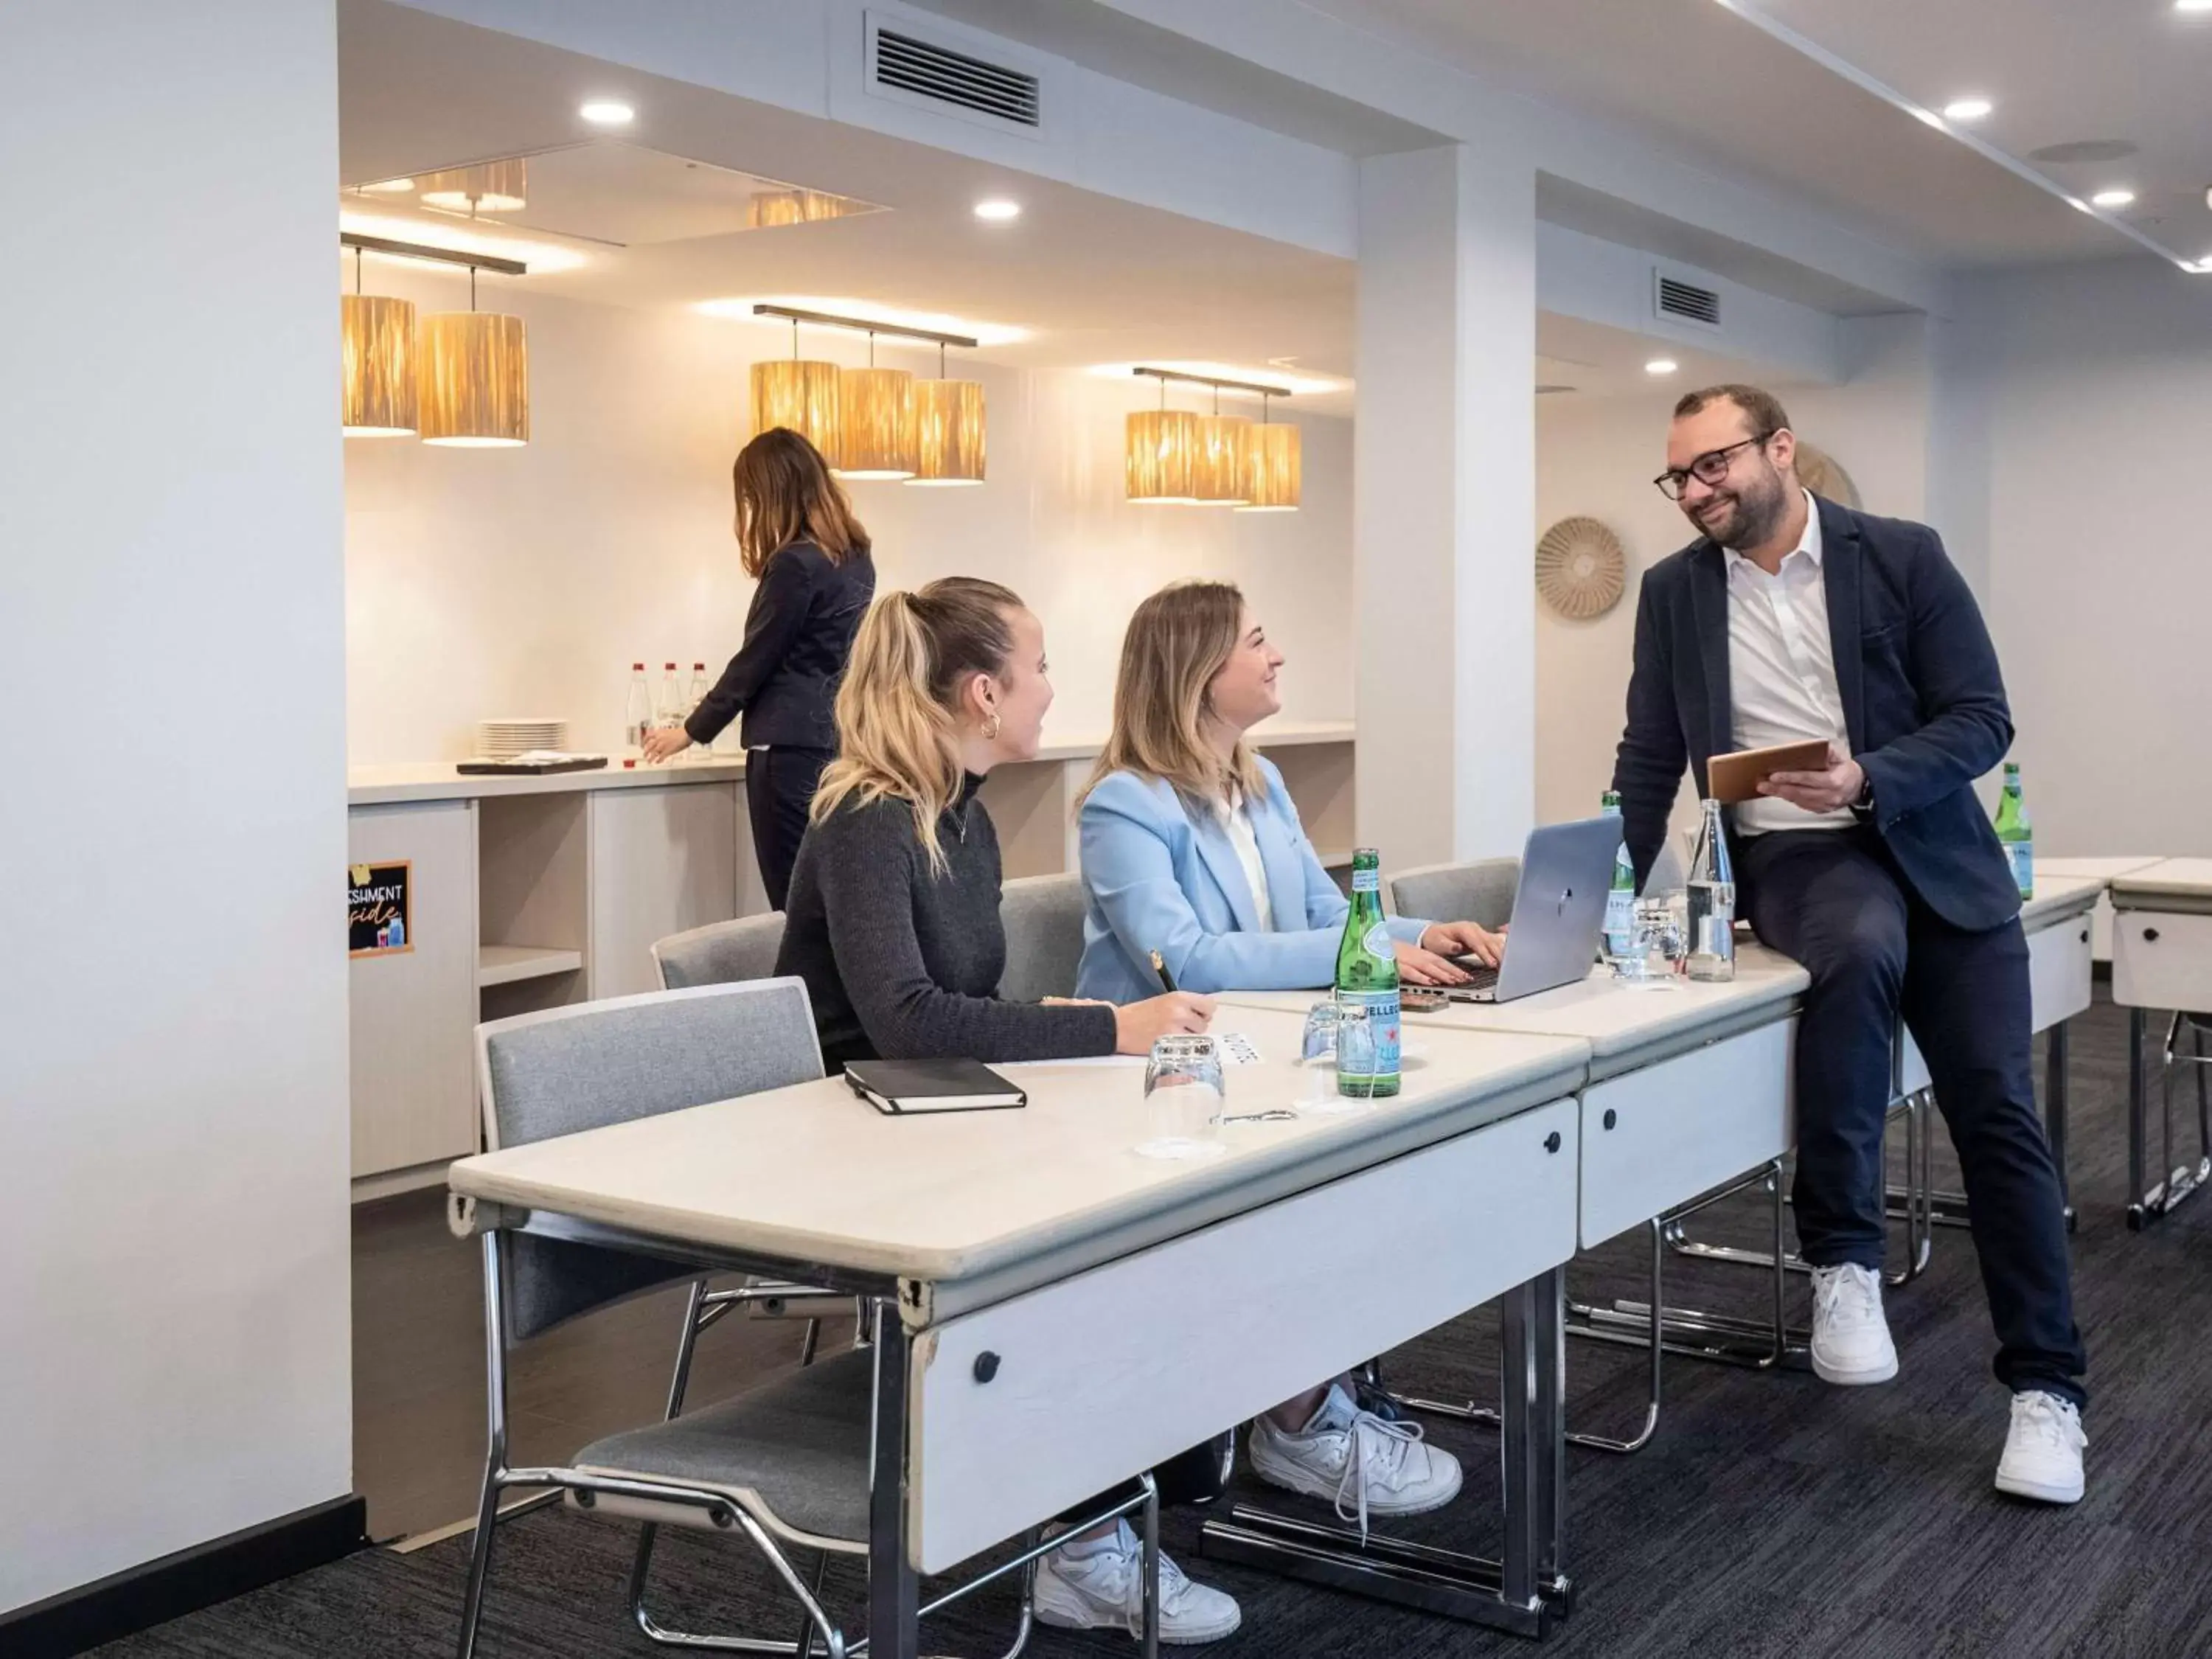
<point>1526,1591</point>
<point>2147,1202</point>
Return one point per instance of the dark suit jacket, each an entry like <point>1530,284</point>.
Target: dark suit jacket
<point>1923,698</point>
<point>798,632</point>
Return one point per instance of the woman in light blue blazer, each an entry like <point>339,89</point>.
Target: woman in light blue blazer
<point>1191,847</point>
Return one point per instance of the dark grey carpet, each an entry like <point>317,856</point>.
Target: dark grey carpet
<point>1773,1516</point>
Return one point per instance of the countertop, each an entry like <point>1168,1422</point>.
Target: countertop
<point>413,780</point>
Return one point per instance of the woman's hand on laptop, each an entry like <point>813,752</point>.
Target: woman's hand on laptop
<point>1418,967</point>
<point>1464,938</point>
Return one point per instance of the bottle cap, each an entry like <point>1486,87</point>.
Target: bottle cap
<point>637,668</point>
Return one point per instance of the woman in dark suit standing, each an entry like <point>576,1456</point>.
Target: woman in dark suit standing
<point>797,537</point>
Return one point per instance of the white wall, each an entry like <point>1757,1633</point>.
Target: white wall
<point>1598,455</point>
<point>2098,499</point>
<point>172,1077</point>
<point>489,582</point>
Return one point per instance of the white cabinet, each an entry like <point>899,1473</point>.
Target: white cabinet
<point>661,860</point>
<point>414,1013</point>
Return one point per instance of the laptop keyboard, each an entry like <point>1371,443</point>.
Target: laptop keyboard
<point>1480,976</point>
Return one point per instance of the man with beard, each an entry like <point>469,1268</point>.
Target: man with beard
<point>1792,618</point>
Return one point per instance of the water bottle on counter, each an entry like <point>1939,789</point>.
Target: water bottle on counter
<point>692,699</point>
<point>637,712</point>
<point>1711,929</point>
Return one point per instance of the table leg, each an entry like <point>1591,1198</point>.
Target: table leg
<point>894,1589</point>
<point>2056,1058</point>
<point>1550,1436</point>
<point>1517,1362</point>
<point>2138,1130</point>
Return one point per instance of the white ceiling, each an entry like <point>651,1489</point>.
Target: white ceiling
<point>1089,279</point>
<point>2059,72</point>
<point>1712,83</point>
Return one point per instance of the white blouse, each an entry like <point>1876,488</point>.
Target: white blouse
<point>1236,819</point>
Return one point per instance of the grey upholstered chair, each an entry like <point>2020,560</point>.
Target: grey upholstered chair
<point>720,952</point>
<point>1043,919</point>
<point>1481,892</point>
<point>786,1465</point>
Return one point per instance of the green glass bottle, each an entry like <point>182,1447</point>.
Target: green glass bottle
<point>1620,901</point>
<point>1367,977</point>
<point>2017,833</point>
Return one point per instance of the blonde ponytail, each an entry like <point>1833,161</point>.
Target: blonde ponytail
<point>898,736</point>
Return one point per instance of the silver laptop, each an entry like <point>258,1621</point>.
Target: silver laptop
<point>1558,913</point>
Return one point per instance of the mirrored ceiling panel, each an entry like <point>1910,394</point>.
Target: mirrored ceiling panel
<point>604,191</point>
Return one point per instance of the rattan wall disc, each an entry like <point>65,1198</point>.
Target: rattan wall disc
<point>1580,569</point>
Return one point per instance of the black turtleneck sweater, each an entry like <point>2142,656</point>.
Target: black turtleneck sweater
<point>901,962</point>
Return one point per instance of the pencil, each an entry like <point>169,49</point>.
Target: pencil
<point>1167,980</point>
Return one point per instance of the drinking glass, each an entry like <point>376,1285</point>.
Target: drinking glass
<point>1355,1054</point>
<point>1182,1099</point>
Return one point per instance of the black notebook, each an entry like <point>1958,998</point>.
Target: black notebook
<point>900,1088</point>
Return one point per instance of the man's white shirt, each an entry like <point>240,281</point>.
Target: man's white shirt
<point>1782,669</point>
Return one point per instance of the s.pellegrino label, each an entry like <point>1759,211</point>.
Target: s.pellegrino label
<point>1621,898</point>
<point>1367,977</point>
<point>2016,833</point>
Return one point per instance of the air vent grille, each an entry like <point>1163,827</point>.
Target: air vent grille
<point>906,64</point>
<point>1549,390</point>
<point>1687,301</point>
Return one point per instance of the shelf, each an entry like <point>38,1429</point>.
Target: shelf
<point>503,965</point>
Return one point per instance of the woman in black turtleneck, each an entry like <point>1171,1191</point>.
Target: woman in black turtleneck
<point>893,914</point>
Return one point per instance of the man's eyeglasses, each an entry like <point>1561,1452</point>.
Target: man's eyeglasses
<point>1711,468</point>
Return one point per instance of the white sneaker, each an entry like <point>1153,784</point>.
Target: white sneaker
<point>1366,1465</point>
<point>1099,1584</point>
<point>1851,1338</point>
<point>2043,1450</point>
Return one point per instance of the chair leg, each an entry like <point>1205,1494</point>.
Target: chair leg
<point>480,1555</point>
<point>1150,1636</point>
<point>806,1343</point>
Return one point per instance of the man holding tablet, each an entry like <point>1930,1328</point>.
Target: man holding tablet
<point>1792,620</point>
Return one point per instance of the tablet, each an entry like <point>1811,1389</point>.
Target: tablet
<point>1734,779</point>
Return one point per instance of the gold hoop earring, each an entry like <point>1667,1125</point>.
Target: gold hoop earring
<point>991,727</point>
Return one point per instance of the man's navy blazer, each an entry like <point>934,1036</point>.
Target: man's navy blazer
<point>1923,703</point>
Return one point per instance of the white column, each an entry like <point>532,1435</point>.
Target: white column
<point>1445,518</point>
<point>173,1223</point>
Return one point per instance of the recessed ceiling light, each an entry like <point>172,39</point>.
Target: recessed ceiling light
<point>2112,198</point>
<point>1967,109</point>
<point>2192,5</point>
<point>608,112</point>
<point>997,208</point>
<point>1661,366</point>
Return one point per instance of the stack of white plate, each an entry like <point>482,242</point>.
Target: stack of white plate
<point>504,739</point>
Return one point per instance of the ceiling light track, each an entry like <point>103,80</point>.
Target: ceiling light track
<point>447,256</point>
<point>864,325</point>
<point>1859,77</point>
<point>1253,387</point>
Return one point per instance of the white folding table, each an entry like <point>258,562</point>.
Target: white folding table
<point>1069,1312</point>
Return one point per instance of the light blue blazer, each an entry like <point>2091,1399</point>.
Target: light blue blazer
<point>1159,876</point>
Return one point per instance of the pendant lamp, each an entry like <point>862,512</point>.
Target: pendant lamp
<point>1222,447</point>
<point>473,373</point>
<point>948,420</point>
<point>488,187</point>
<point>377,342</point>
<point>799,395</point>
<point>875,423</point>
<point>1272,468</point>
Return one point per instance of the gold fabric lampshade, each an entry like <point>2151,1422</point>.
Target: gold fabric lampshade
<point>488,187</point>
<point>1272,469</point>
<point>1222,460</point>
<point>1160,459</point>
<point>789,391</point>
<point>473,370</point>
<point>876,426</point>
<point>948,419</point>
<point>377,336</point>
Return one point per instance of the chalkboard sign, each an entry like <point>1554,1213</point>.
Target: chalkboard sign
<point>380,921</point>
